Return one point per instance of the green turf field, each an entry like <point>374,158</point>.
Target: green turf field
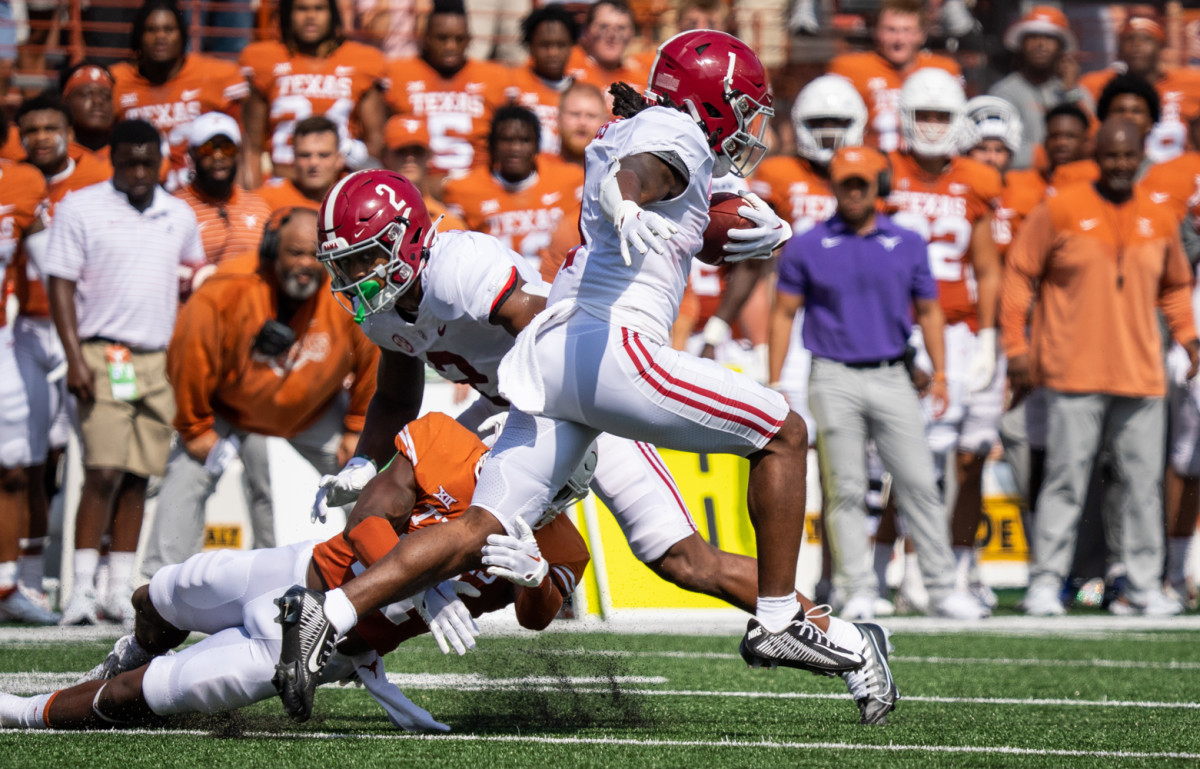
<point>1086,697</point>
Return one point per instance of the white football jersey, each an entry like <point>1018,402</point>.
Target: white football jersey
<point>466,274</point>
<point>645,295</point>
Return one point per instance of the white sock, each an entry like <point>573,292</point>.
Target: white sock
<point>120,571</point>
<point>24,712</point>
<point>962,566</point>
<point>339,611</point>
<point>8,576</point>
<point>1177,558</point>
<point>776,612</point>
<point>31,569</point>
<point>86,561</point>
<point>883,556</point>
<point>912,569</point>
<point>844,634</point>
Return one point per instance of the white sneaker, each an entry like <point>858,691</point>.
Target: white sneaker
<point>1157,604</point>
<point>985,595</point>
<point>126,655</point>
<point>912,597</point>
<point>960,605</point>
<point>82,609</point>
<point>118,606</point>
<point>884,607</point>
<point>1042,601</point>
<point>860,607</point>
<point>17,607</point>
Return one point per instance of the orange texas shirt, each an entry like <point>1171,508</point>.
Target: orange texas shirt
<point>792,187</point>
<point>1179,101</point>
<point>22,194</point>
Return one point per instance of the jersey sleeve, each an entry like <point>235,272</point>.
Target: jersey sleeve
<point>791,268</point>
<point>257,63</point>
<point>228,82</point>
<point>443,454</point>
<point>65,244</point>
<point>472,283</point>
<point>659,130</point>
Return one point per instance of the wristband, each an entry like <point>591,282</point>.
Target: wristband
<point>716,332</point>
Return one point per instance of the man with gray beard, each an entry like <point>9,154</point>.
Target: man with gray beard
<point>261,349</point>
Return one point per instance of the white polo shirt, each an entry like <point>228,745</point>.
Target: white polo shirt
<point>126,263</point>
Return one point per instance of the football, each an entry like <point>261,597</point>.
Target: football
<point>722,217</point>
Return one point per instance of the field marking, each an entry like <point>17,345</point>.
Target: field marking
<point>28,683</point>
<point>648,743</point>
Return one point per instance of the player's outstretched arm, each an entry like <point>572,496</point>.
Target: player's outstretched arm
<point>383,509</point>
<point>633,182</point>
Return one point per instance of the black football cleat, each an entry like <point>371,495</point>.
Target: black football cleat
<point>871,685</point>
<point>308,640</point>
<point>800,645</point>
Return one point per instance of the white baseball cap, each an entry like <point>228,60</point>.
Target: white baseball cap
<point>211,124</point>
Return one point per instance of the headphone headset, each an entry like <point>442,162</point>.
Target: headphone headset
<point>268,247</point>
<point>884,180</point>
<point>275,337</point>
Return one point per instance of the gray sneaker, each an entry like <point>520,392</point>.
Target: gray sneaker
<point>871,685</point>
<point>127,654</point>
<point>18,607</point>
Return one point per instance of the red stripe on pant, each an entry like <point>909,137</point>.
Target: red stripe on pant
<point>664,474</point>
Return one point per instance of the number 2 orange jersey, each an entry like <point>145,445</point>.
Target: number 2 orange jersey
<point>944,210</point>
<point>792,187</point>
<point>204,84</point>
<point>298,86</point>
<point>523,216</point>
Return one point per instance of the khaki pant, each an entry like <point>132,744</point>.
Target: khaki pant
<point>134,436</point>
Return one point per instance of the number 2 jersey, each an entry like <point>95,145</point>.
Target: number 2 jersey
<point>467,278</point>
<point>944,210</point>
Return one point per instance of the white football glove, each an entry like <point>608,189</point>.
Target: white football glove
<point>983,362</point>
<point>760,241</point>
<point>343,488</point>
<point>448,619</point>
<point>224,451</point>
<point>400,709</point>
<point>644,230</point>
<point>517,559</point>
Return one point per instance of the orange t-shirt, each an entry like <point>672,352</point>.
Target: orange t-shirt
<point>87,170</point>
<point>203,84</point>
<point>74,149</point>
<point>296,87</point>
<point>878,82</point>
<point>522,216</point>
<point>1179,100</point>
<point>22,194</point>
<point>1023,190</point>
<point>792,187</point>
<point>944,210</point>
<point>283,193</point>
<point>214,369</point>
<point>230,228</point>
<point>1102,271</point>
<point>457,110</point>
<point>12,149</point>
<point>1175,184</point>
<point>541,98</point>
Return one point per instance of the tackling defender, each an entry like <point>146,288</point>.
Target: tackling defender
<point>596,361</point>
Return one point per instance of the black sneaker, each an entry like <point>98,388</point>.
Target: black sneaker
<point>871,685</point>
<point>800,645</point>
<point>308,640</point>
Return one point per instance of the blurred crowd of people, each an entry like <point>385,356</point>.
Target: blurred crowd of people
<point>157,220</point>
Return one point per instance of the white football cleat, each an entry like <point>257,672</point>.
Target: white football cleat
<point>960,605</point>
<point>1042,601</point>
<point>18,607</point>
<point>82,609</point>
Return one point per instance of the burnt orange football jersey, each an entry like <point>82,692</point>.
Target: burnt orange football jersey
<point>540,97</point>
<point>298,86</point>
<point>457,111</point>
<point>282,193</point>
<point>792,187</point>
<point>22,196</point>
<point>523,216</point>
<point>1023,190</point>
<point>1179,99</point>
<point>75,148</point>
<point>1176,185</point>
<point>204,84</point>
<point>446,458</point>
<point>878,82</point>
<point>11,149</point>
<point>634,70</point>
<point>944,210</point>
<point>84,170</point>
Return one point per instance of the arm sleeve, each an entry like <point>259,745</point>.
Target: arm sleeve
<point>372,539</point>
<point>1026,262</point>
<point>64,247</point>
<point>923,284</point>
<point>193,366</point>
<point>792,279</point>
<point>1175,293</point>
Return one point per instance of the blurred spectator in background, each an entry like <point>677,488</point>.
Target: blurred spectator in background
<point>549,33</point>
<point>521,198</point>
<point>230,218</point>
<point>170,87</point>
<point>46,137</point>
<point>456,97</point>
<point>495,29</point>
<point>600,57</point>
<point>999,133</point>
<point>1139,52</point>
<point>877,75</point>
<point>1134,99</point>
<point>310,71</point>
<point>390,25</point>
<point>87,92</point>
<point>317,165</point>
<point>1103,258</point>
<point>21,193</point>
<point>259,352</point>
<point>702,14</point>
<point>1046,75</point>
<point>407,153</point>
<point>114,259</point>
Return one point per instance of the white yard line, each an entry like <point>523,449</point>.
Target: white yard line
<point>649,743</point>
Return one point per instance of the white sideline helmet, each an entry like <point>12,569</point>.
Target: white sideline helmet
<point>933,90</point>
<point>828,97</point>
<point>994,118</point>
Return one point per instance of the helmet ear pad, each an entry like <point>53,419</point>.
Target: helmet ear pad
<point>884,182</point>
<point>268,246</point>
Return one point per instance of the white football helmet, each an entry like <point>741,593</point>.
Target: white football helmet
<point>994,118</point>
<point>828,96</point>
<point>933,90</point>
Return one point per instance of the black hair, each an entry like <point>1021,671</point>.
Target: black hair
<point>288,35</point>
<point>134,132</point>
<point>617,5</point>
<point>317,124</point>
<point>143,15</point>
<point>519,114</point>
<point>65,73</point>
<point>545,15</point>
<point>627,101</point>
<point>46,100</point>
<point>1131,84</point>
<point>1068,110</point>
<point>448,8</point>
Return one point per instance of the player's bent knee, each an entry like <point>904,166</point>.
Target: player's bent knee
<point>690,563</point>
<point>792,437</point>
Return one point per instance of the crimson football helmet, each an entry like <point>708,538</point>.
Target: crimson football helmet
<point>374,234</point>
<point>721,83</point>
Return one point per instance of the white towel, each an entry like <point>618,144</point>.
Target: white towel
<point>520,376</point>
